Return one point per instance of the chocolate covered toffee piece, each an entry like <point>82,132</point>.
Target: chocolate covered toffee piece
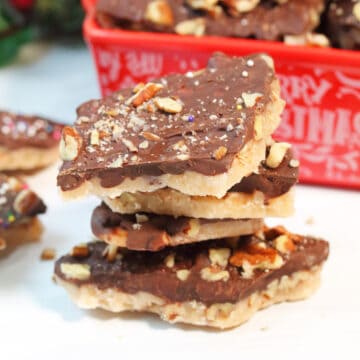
<point>343,23</point>
<point>27,142</point>
<point>154,232</point>
<point>268,192</point>
<point>19,207</point>
<point>266,19</point>
<point>198,133</point>
<point>214,283</point>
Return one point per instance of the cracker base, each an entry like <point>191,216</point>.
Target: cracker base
<point>297,286</point>
<point>27,158</point>
<point>21,234</point>
<point>232,206</point>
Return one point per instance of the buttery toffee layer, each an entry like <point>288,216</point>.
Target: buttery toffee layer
<point>221,271</point>
<point>222,18</point>
<point>195,122</point>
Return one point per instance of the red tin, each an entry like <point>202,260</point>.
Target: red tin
<point>321,88</point>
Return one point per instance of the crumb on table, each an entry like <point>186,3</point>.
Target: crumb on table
<point>48,254</point>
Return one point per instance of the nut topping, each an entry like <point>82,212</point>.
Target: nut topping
<point>70,144</point>
<point>138,87</point>
<point>144,144</point>
<point>220,152</point>
<point>202,4</point>
<point>276,154</point>
<point>80,251</point>
<point>214,274</point>
<point>170,261</point>
<point>191,27</point>
<point>294,163</point>
<point>272,233</point>
<point>242,6</point>
<point>144,94</point>
<point>269,60</point>
<point>159,12</point>
<point>24,201</point>
<point>183,274</point>
<point>253,257</point>
<point>168,105</point>
<point>250,99</point>
<point>117,162</point>
<point>180,146</point>
<point>150,136</point>
<point>112,112</point>
<point>94,137</point>
<point>76,271</point>
<point>308,39</point>
<point>82,119</point>
<point>110,252</point>
<point>356,11</point>
<point>47,254</point>
<point>141,218</point>
<point>2,244</point>
<point>284,244</point>
<point>130,145</point>
<point>183,157</point>
<point>219,256</point>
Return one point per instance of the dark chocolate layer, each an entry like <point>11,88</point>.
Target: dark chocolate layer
<point>118,139</point>
<point>269,20</point>
<point>343,23</point>
<point>134,271</point>
<point>18,131</point>
<point>17,201</point>
<point>271,182</point>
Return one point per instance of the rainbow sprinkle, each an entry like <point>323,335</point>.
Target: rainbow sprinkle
<point>56,135</point>
<point>11,218</point>
<point>49,128</point>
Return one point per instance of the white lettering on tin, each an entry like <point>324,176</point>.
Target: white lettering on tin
<point>144,63</point>
<point>305,88</point>
<point>317,125</point>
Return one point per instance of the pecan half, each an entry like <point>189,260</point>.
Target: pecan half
<point>168,105</point>
<point>191,27</point>
<point>146,93</point>
<point>70,144</point>
<point>276,154</point>
<point>159,12</point>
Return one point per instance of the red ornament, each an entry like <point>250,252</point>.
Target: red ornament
<point>22,4</point>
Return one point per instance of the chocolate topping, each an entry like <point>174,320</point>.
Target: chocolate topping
<point>293,17</point>
<point>17,131</point>
<point>271,182</point>
<point>177,127</point>
<point>17,202</point>
<point>343,23</point>
<point>135,271</point>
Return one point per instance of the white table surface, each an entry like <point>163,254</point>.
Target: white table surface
<point>38,321</point>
